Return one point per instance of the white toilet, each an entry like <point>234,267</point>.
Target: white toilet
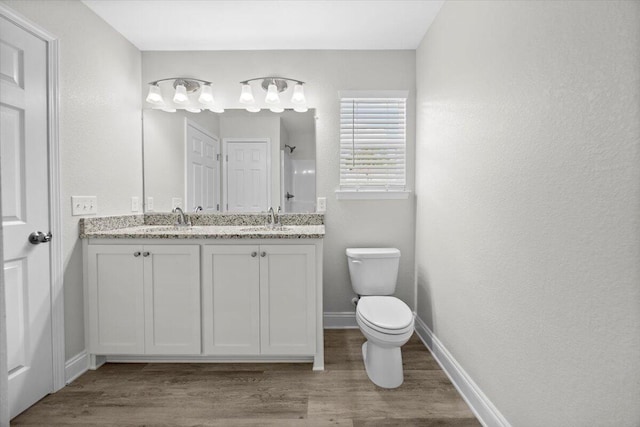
<point>384,320</point>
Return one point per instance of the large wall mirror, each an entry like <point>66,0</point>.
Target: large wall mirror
<point>236,161</point>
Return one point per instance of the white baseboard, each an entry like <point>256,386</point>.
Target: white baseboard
<point>76,366</point>
<point>479,403</point>
<point>340,320</point>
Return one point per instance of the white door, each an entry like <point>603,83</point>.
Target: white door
<point>248,181</point>
<point>202,170</point>
<point>25,209</point>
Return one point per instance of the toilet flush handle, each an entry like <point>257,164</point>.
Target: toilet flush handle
<point>356,261</point>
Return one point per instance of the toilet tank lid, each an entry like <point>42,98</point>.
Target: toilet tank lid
<point>373,253</point>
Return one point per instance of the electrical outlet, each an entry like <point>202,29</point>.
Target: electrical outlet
<point>135,204</point>
<point>149,204</point>
<point>322,205</point>
<point>176,202</point>
<point>84,205</point>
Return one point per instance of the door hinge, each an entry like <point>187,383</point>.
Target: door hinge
<point>218,206</point>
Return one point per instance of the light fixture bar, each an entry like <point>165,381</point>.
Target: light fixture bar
<point>155,82</point>
<point>268,78</point>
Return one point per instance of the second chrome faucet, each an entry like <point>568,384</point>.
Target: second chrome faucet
<point>273,218</point>
<point>183,219</point>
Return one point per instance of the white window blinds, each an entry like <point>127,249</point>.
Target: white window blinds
<point>372,144</point>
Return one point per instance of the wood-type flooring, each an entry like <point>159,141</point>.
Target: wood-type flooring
<point>242,394</point>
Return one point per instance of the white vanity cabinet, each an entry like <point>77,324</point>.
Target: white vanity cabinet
<point>204,299</point>
<point>259,299</point>
<point>143,299</point>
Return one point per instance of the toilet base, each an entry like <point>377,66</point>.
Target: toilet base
<point>383,365</point>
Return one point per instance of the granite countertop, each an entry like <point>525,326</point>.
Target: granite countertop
<point>210,232</point>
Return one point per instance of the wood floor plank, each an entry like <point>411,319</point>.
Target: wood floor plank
<point>252,394</point>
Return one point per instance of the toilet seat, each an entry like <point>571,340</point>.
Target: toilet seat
<point>385,314</point>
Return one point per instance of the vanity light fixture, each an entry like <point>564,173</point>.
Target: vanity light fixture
<point>298,94</point>
<point>154,96</point>
<point>180,96</point>
<point>272,94</point>
<point>274,86</point>
<point>246,96</point>
<point>206,94</point>
<point>184,93</point>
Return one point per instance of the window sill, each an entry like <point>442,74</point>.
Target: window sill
<point>371,195</point>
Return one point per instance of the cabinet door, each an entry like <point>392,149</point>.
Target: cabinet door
<point>115,297</point>
<point>287,299</point>
<point>231,293</point>
<point>172,299</point>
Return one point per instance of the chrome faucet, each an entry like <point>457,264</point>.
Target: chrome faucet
<point>183,220</point>
<point>274,218</point>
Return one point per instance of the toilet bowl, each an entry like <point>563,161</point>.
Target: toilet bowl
<point>386,322</point>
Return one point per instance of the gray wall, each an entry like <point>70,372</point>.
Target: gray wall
<point>528,238</point>
<point>100,127</point>
<point>348,223</point>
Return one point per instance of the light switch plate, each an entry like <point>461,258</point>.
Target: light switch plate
<point>84,205</point>
<point>135,204</point>
<point>322,205</point>
<point>176,202</point>
<point>149,204</point>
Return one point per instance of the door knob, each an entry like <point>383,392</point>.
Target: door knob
<point>136,254</point>
<point>253,254</point>
<point>38,237</point>
<point>145,253</point>
<point>263,254</point>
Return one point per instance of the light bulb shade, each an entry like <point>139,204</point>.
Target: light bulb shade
<point>154,96</point>
<point>253,109</point>
<point>301,108</point>
<point>206,95</point>
<point>272,95</point>
<point>298,94</point>
<point>180,96</point>
<point>246,96</point>
<point>276,109</point>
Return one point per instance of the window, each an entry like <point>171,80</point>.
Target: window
<point>372,145</point>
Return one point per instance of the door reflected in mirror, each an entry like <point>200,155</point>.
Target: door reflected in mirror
<point>232,162</point>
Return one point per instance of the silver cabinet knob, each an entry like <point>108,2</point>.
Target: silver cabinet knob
<point>38,237</point>
<point>254,254</point>
<point>145,253</point>
<point>263,254</point>
<point>136,254</point>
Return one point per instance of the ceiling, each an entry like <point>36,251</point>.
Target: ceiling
<point>269,24</point>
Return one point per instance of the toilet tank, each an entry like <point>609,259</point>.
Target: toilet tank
<point>373,271</point>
